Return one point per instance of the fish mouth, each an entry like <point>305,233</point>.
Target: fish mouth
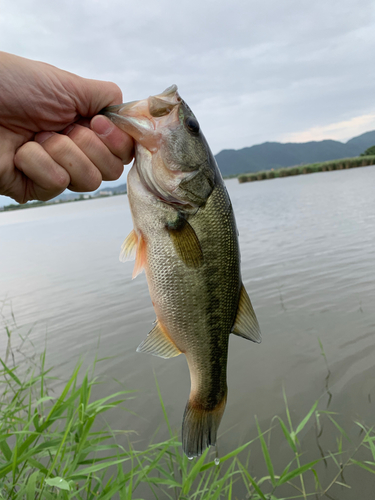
<point>147,119</point>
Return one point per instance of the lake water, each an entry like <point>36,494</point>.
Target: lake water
<point>308,252</point>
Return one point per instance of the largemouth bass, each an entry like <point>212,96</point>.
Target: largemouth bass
<point>186,240</point>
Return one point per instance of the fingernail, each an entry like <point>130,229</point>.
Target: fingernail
<point>43,136</point>
<point>101,125</point>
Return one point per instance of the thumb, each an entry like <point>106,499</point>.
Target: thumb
<point>93,95</point>
<point>117,141</point>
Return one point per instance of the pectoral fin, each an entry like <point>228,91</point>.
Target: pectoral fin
<point>186,242</point>
<point>246,324</point>
<point>129,247</point>
<point>159,344</point>
<point>134,246</point>
<point>140,259</point>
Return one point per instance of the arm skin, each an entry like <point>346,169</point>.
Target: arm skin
<point>46,143</point>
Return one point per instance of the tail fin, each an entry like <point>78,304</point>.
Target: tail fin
<point>199,427</point>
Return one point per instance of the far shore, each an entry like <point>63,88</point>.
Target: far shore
<point>33,204</point>
<point>344,163</point>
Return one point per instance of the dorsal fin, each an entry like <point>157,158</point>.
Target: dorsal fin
<point>159,344</point>
<point>246,323</point>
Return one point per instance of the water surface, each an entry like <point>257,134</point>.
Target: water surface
<point>308,252</point>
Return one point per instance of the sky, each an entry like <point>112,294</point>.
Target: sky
<point>251,70</point>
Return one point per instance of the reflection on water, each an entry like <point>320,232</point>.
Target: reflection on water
<point>308,249</point>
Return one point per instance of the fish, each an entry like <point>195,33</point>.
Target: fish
<point>185,238</point>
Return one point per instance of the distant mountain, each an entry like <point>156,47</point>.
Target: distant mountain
<point>276,155</point>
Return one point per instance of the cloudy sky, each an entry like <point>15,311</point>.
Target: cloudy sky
<point>252,71</point>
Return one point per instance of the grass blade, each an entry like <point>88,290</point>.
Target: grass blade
<point>252,482</point>
<point>266,454</point>
<point>296,472</point>
<point>307,418</point>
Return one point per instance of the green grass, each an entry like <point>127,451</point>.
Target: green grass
<point>360,161</point>
<point>59,447</point>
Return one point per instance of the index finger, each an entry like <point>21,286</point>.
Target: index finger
<point>117,141</point>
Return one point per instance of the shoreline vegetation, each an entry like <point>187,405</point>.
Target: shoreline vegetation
<point>344,163</point>
<point>59,446</point>
<point>54,201</point>
<point>341,164</point>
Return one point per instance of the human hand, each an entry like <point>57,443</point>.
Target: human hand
<point>46,144</point>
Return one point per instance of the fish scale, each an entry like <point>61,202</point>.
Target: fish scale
<point>186,240</point>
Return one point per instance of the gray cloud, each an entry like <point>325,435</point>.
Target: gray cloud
<point>251,70</point>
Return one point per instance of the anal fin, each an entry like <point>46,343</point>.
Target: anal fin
<point>246,324</point>
<point>159,344</point>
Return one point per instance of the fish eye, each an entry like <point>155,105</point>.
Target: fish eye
<point>192,124</point>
